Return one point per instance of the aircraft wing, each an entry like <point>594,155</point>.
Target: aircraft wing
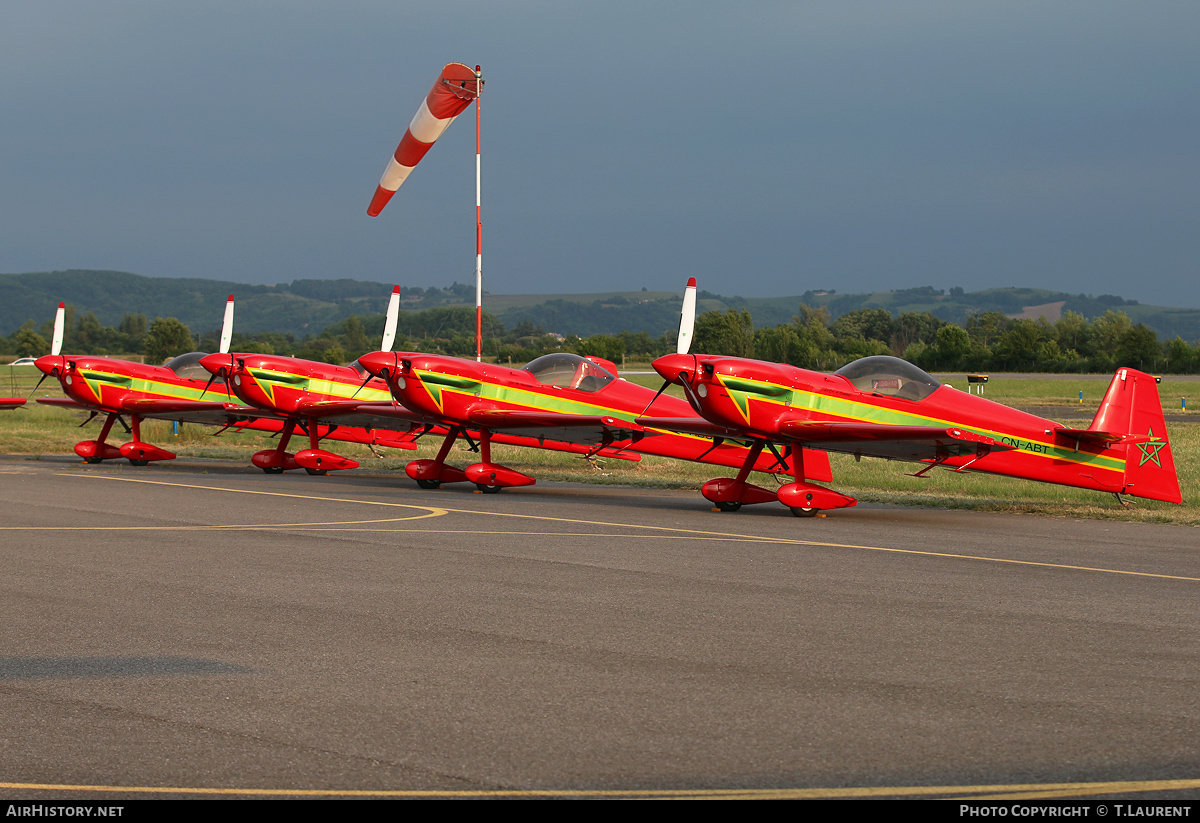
<point>378,414</point>
<point>330,408</point>
<point>892,442</point>
<point>63,402</point>
<point>160,406</point>
<point>582,429</point>
<point>693,425</point>
<point>11,402</point>
<point>206,412</point>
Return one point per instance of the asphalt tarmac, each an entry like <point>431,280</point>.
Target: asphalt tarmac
<point>200,628</point>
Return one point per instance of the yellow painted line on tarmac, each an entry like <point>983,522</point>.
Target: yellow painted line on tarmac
<point>1019,791</point>
<point>321,525</point>
<point>696,533</point>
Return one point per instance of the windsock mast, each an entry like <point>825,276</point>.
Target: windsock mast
<point>452,92</point>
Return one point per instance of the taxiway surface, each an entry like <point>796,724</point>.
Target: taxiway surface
<point>203,625</point>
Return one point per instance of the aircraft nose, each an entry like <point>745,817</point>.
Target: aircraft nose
<point>48,363</point>
<point>215,362</point>
<point>676,368</point>
<point>375,362</point>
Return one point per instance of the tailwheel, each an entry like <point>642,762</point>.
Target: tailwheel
<point>797,511</point>
<point>487,489</point>
<point>728,505</point>
<point>134,462</point>
<point>93,460</point>
<point>429,484</point>
<point>317,472</point>
<point>272,469</point>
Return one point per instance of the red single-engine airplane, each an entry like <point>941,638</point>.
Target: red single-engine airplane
<point>105,385</point>
<point>313,396</point>
<point>559,401</point>
<point>886,407</point>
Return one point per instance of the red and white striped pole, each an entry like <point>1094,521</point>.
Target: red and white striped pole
<point>478,228</point>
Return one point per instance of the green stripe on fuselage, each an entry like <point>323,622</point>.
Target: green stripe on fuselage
<point>523,398</point>
<point>268,380</point>
<point>97,381</point>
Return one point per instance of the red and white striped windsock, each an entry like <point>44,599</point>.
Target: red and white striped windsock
<point>451,93</point>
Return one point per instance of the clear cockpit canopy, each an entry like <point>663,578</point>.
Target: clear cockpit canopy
<point>569,371</point>
<point>188,366</point>
<point>890,377</point>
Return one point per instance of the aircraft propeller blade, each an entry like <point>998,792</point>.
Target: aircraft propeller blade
<point>385,373</point>
<point>452,92</point>
<point>661,389</point>
<point>59,319</point>
<point>223,372</point>
<point>687,324</point>
<point>687,318</point>
<point>393,317</point>
<point>39,384</point>
<point>211,378</point>
<point>227,327</point>
<point>364,383</point>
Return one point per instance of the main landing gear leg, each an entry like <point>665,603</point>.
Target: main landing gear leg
<point>277,460</point>
<point>94,451</point>
<point>730,494</point>
<point>430,474</point>
<point>489,477</point>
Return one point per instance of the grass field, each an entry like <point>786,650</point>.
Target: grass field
<point>40,430</point>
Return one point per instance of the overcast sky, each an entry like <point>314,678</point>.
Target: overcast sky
<point>764,147</point>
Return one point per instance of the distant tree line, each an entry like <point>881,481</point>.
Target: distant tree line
<point>988,341</point>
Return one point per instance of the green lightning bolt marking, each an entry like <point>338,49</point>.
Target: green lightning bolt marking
<point>1150,450</point>
<point>435,382</point>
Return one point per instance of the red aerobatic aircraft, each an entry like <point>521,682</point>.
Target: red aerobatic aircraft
<point>314,397</point>
<point>886,407</point>
<point>559,401</point>
<point>105,385</point>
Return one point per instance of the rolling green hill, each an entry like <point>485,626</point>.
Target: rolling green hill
<point>305,307</point>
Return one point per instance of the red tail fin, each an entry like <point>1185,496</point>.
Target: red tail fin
<point>1131,409</point>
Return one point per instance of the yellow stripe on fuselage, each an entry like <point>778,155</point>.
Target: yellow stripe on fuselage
<point>849,409</point>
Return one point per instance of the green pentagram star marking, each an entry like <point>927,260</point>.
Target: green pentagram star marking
<point>1150,450</point>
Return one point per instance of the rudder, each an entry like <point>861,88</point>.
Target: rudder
<point>1131,408</point>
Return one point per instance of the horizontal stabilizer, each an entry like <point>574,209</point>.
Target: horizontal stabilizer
<point>1099,438</point>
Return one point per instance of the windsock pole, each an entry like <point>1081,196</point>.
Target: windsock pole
<point>478,230</point>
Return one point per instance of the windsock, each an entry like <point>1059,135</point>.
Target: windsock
<point>451,93</point>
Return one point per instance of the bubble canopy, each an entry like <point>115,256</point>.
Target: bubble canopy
<point>188,366</point>
<point>569,371</point>
<point>890,377</point>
